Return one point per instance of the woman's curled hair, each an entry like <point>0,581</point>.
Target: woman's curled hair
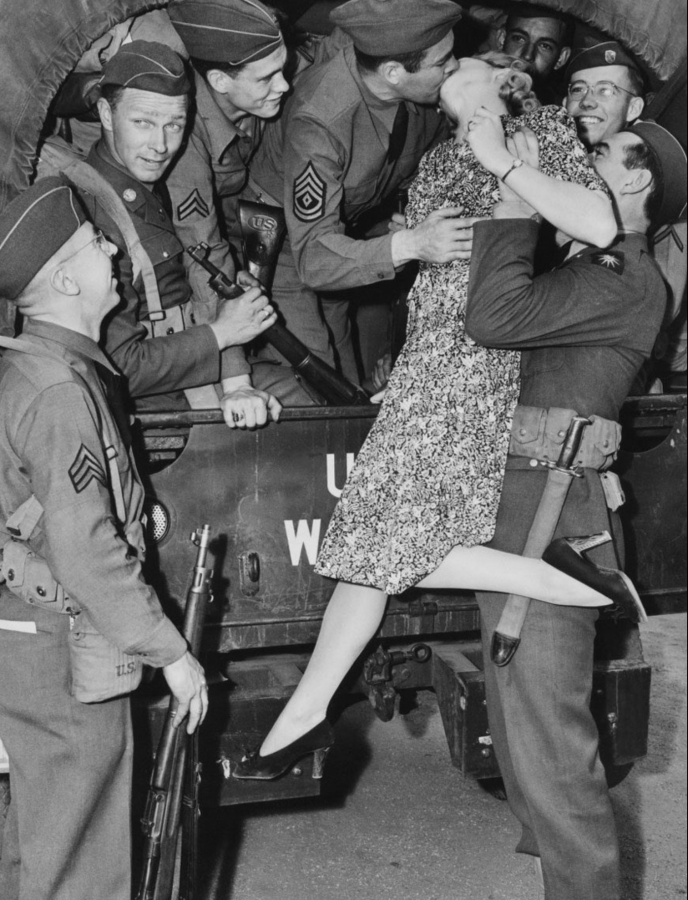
<point>517,89</point>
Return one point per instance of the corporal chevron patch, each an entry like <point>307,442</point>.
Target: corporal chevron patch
<point>85,469</point>
<point>310,193</point>
<point>194,203</point>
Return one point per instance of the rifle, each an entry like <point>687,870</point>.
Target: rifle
<point>160,822</point>
<point>333,387</point>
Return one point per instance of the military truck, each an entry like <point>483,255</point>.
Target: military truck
<point>268,494</point>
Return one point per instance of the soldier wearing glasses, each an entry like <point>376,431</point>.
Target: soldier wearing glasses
<point>604,93</point>
<point>71,544</point>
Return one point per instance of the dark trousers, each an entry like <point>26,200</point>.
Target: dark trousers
<point>544,735</point>
<point>68,833</point>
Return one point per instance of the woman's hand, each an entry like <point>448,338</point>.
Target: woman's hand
<point>485,137</point>
<point>522,144</point>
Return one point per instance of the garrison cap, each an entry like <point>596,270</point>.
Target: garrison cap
<point>226,31</point>
<point>147,66</point>
<point>672,161</point>
<point>386,27</point>
<point>605,53</point>
<point>33,227</point>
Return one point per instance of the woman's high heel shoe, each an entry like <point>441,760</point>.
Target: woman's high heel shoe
<point>317,741</point>
<point>566,554</point>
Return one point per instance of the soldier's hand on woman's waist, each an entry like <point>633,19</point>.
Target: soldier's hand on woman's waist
<point>186,680</point>
<point>443,237</point>
<point>241,320</point>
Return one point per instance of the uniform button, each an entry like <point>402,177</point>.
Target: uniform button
<point>41,591</point>
<point>522,432</point>
<point>165,253</point>
<point>10,574</point>
<point>381,275</point>
<point>605,443</point>
<point>170,330</point>
<point>193,319</point>
<point>561,433</point>
<point>533,463</point>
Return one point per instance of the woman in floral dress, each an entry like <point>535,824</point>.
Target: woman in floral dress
<point>423,494</point>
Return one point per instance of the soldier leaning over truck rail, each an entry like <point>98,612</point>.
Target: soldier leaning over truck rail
<point>77,620</point>
<point>167,364</point>
<point>584,330</point>
<point>352,133</point>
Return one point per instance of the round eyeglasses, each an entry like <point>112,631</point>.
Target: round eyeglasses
<point>602,90</point>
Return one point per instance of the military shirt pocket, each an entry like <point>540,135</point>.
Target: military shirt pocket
<point>29,578</point>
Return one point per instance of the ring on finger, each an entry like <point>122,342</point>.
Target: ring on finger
<point>237,417</point>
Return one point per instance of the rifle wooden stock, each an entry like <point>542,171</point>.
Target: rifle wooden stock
<point>160,823</point>
<point>333,387</point>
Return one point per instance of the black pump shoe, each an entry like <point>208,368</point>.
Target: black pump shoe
<point>317,741</point>
<point>565,554</point>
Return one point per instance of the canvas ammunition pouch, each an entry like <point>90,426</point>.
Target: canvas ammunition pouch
<point>539,434</point>
<point>99,669</point>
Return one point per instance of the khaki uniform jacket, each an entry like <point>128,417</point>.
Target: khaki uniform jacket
<point>325,160</point>
<point>584,328</point>
<point>167,364</point>
<point>51,446</point>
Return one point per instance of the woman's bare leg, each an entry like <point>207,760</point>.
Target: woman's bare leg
<point>354,614</point>
<point>352,617</point>
<point>484,569</point>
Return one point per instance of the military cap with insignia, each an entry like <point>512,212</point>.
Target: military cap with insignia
<point>147,66</point>
<point>386,27</point>
<point>603,53</point>
<point>228,31</point>
<point>33,227</point>
<point>672,161</point>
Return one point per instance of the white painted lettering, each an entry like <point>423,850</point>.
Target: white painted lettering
<point>303,537</point>
<point>331,478</point>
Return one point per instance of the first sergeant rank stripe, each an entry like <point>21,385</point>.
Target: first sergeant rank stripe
<point>85,469</point>
<point>310,192</point>
<point>194,203</point>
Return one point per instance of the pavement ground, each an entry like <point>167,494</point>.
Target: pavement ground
<point>396,820</point>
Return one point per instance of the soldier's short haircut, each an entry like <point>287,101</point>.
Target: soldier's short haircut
<point>113,93</point>
<point>567,23</point>
<point>410,61</point>
<point>642,156</point>
<point>636,80</point>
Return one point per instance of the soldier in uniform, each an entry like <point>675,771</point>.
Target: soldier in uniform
<point>605,91</point>
<point>351,134</point>
<point>71,541</point>
<point>542,37</point>
<point>584,329</point>
<point>143,110</point>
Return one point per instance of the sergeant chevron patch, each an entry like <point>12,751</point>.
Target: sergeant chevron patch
<point>310,192</point>
<point>85,469</point>
<point>194,203</point>
<point>613,260</point>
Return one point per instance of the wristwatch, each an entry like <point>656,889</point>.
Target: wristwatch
<point>516,164</point>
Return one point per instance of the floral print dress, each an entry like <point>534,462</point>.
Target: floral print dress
<point>429,475</point>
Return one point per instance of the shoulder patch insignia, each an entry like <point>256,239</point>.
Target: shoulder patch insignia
<point>85,469</point>
<point>310,192</point>
<point>194,203</point>
<point>613,260</point>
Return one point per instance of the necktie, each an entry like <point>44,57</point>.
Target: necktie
<point>398,137</point>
